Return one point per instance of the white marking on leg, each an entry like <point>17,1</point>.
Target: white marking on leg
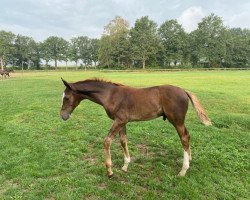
<point>126,163</point>
<point>185,165</point>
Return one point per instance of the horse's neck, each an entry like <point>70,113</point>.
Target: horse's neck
<point>99,93</point>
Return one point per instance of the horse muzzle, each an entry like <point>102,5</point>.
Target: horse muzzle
<point>65,115</point>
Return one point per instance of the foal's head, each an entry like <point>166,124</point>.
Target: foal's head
<point>70,100</point>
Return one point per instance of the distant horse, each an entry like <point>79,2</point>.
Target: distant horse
<point>5,73</point>
<point>124,104</point>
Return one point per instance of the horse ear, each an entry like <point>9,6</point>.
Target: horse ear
<point>66,83</point>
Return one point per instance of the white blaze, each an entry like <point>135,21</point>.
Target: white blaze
<point>63,95</point>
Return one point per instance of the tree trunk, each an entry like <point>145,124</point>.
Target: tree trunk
<point>143,64</point>
<point>1,62</point>
<point>56,64</point>
<point>29,64</point>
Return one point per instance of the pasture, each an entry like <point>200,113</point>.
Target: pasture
<point>43,157</point>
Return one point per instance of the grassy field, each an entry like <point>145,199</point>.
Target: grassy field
<point>43,157</point>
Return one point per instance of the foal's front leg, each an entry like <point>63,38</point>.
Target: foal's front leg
<point>116,127</point>
<point>124,143</point>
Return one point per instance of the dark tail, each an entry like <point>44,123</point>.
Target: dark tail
<point>199,109</point>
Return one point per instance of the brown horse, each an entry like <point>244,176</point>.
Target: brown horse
<point>5,73</point>
<point>124,104</point>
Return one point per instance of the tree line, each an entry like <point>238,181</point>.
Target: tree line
<point>212,44</point>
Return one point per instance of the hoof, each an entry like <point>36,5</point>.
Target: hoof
<point>182,173</point>
<point>125,169</point>
<point>110,176</point>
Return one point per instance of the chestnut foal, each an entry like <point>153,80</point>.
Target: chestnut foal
<point>124,104</point>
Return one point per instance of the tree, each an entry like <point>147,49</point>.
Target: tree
<point>34,54</point>
<point>66,52</point>
<point>194,49</point>
<point>54,48</point>
<point>84,50</point>
<point>74,51</point>
<point>94,46</point>
<point>238,48</point>
<point>121,46</point>
<point>144,40</point>
<point>174,41</point>
<point>211,38</point>
<point>105,53</point>
<point>6,47</point>
<point>116,26</point>
<point>114,44</point>
<point>24,50</point>
<point>45,52</point>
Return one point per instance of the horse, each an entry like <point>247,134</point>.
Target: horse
<point>125,104</point>
<point>5,73</point>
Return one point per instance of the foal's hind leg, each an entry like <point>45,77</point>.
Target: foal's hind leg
<point>124,143</point>
<point>184,136</point>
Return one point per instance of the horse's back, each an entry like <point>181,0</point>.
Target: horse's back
<point>153,96</point>
<point>151,102</point>
<point>136,104</point>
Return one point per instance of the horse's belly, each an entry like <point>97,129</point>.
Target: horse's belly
<point>144,115</point>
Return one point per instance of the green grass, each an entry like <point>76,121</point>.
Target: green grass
<point>43,157</point>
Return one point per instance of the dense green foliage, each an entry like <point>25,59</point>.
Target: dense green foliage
<point>212,44</point>
<point>174,42</point>
<point>144,41</point>
<point>115,47</point>
<point>43,157</point>
<point>56,49</point>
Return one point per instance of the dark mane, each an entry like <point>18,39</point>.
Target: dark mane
<point>99,80</point>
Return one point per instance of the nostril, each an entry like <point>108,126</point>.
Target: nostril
<point>62,117</point>
<point>65,117</point>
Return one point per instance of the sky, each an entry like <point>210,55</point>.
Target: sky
<point>70,18</point>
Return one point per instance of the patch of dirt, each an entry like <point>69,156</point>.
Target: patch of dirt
<point>8,184</point>
<point>50,198</point>
<point>143,148</point>
<point>102,186</point>
<point>91,198</point>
